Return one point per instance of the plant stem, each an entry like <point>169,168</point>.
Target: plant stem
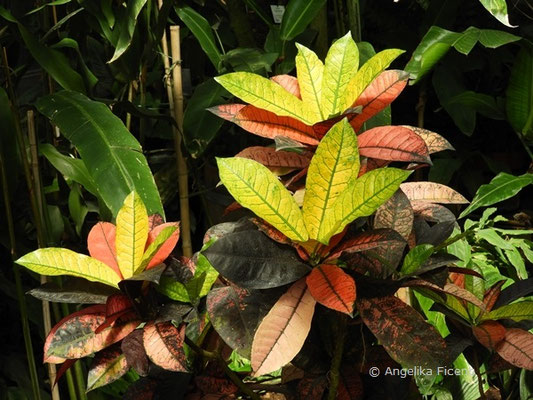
<point>80,380</point>
<point>334,372</point>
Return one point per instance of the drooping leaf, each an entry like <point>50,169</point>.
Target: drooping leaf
<point>498,9</point>
<point>489,333</point>
<point>163,343</point>
<point>131,234</point>
<point>522,310</point>
<point>108,365</point>
<point>161,242</point>
<point>519,101</point>
<point>378,95</point>
<point>333,168</point>
<point>310,71</point>
<point>101,245</point>
<point>111,154</point>
<point>404,333</point>
<point>332,287</point>
<point>366,74</point>
<point>502,187</point>
<point>265,123</point>
<point>297,16</point>
<point>126,27</point>
<point>342,62</point>
<point>396,214</point>
<point>275,159</point>
<point>434,141</point>
<point>58,261</point>
<point>517,348</point>
<point>133,349</point>
<point>282,333</point>
<point>364,196</point>
<point>393,143</point>
<point>74,290</point>
<point>253,261</point>
<point>432,192</point>
<point>268,95</point>
<point>256,188</point>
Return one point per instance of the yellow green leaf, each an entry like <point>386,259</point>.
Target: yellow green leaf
<point>310,70</point>
<point>132,233</point>
<point>363,197</point>
<point>268,95</point>
<point>341,65</point>
<point>154,247</point>
<point>256,188</point>
<point>56,261</point>
<point>366,74</point>
<point>333,168</point>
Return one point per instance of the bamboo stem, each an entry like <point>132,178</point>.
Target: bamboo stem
<point>130,99</point>
<point>80,380</point>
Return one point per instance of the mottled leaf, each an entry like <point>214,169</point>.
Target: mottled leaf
<point>432,212</point>
<point>133,349</point>
<point>332,287</point>
<point>432,192</point>
<point>275,159</point>
<point>434,141</point>
<point>367,240</point>
<point>163,343</point>
<point>396,214</point>
<point>107,366</point>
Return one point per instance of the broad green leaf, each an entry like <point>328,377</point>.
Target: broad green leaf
<point>519,102</point>
<point>417,256</point>
<point>131,236</point>
<point>333,168</point>
<point>502,187</point>
<point>111,154</point>
<point>310,71</point>
<point>522,310</point>
<point>491,236</point>
<point>268,95</point>
<point>498,9</point>
<point>154,247</point>
<point>298,15</point>
<point>57,261</point>
<point>126,27</point>
<point>366,74</point>
<point>340,67</point>
<point>364,197</point>
<point>517,261</point>
<point>90,79</point>
<point>201,29</point>
<point>52,61</point>
<point>256,188</point>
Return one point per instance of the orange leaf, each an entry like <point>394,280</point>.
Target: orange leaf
<point>163,343</point>
<point>265,123</point>
<point>393,143</point>
<point>101,245</point>
<point>432,192</point>
<point>378,95</point>
<point>489,333</point>
<point>282,333</point>
<point>332,287</point>
<point>272,158</point>
<point>289,83</point>
<point>169,245</point>
<point>491,296</point>
<point>517,348</point>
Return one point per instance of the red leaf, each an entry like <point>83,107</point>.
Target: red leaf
<point>432,212</point>
<point>491,296</point>
<point>117,305</point>
<point>378,95</point>
<point>75,337</point>
<point>322,127</point>
<point>434,141</point>
<point>517,348</point>
<point>163,343</point>
<point>366,241</point>
<point>396,214</point>
<point>167,247</point>
<point>101,245</point>
<point>282,333</point>
<point>108,365</point>
<point>232,207</point>
<point>289,83</point>
<point>265,123</point>
<point>272,158</point>
<point>271,232</point>
<point>332,287</point>
<point>350,384</point>
<point>393,143</point>
<point>489,333</point>
<point>432,192</point>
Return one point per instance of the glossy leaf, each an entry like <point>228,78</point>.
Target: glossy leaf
<point>161,242</point>
<point>366,74</point>
<point>265,123</point>
<point>404,333</point>
<point>275,159</point>
<point>256,188</point>
<point>432,192</point>
<point>101,245</point>
<point>498,8</point>
<point>434,141</point>
<point>340,67</point>
<point>332,287</point>
<point>517,348</point>
<point>396,214</point>
<point>57,261</point>
<point>111,154</point>
<point>519,311</point>
<point>333,168</point>
<point>268,95</point>
<point>489,333</point>
<point>310,71</point>
<point>201,29</point>
<point>502,187</point>
<point>163,343</point>
<point>282,333</point>
<point>297,16</point>
<point>253,261</point>
<point>364,197</point>
<point>108,365</point>
<point>393,143</point>
<point>519,101</point>
<point>131,234</point>
<point>126,27</point>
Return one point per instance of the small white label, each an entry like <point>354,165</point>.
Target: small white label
<point>277,13</point>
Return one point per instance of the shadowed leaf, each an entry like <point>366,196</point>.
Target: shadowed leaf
<point>74,290</point>
<point>432,192</point>
<point>133,348</point>
<point>515,291</point>
<point>396,214</point>
<point>491,295</point>
<point>101,244</point>
<point>332,287</point>
<point>108,365</point>
<point>366,241</point>
<point>432,212</point>
<point>163,343</point>
<point>448,288</point>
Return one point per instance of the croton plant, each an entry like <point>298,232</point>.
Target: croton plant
<point>348,237</point>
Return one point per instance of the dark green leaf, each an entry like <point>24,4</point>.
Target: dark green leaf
<point>481,103</point>
<point>74,290</point>
<point>111,154</point>
<point>298,14</point>
<point>77,208</point>
<point>251,260</point>
<point>514,292</point>
<point>250,60</point>
<point>126,26</point>
<point>520,92</point>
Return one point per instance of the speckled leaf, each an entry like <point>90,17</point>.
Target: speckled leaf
<point>396,214</point>
<point>434,141</point>
<point>432,192</point>
<point>256,188</point>
<point>133,349</point>
<point>517,348</point>
<point>310,71</point>
<point>163,343</point>
<point>332,287</point>
<point>108,365</point>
